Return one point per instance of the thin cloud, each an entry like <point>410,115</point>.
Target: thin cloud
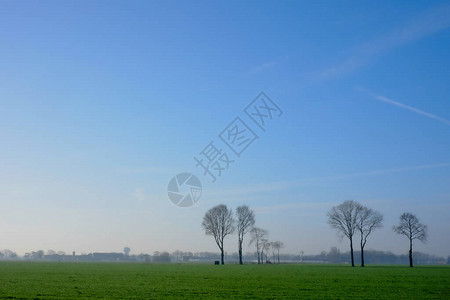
<point>410,108</point>
<point>139,195</point>
<point>293,206</point>
<point>388,171</point>
<point>262,67</point>
<point>384,99</point>
<point>246,192</point>
<point>269,64</point>
<point>155,170</point>
<point>432,21</point>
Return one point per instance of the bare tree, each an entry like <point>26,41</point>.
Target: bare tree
<point>245,221</point>
<point>367,221</point>
<point>258,235</point>
<point>178,255</point>
<point>265,249</point>
<point>219,222</point>
<point>272,247</point>
<point>51,252</point>
<point>344,219</point>
<point>411,228</point>
<point>276,246</point>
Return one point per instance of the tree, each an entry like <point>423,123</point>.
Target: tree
<point>265,249</point>
<point>39,254</point>
<point>258,235</point>
<point>219,222</point>
<point>276,246</point>
<point>126,251</point>
<point>178,255</point>
<point>411,228</point>
<point>245,221</point>
<point>334,255</point>
<point>344,219</point>
<point>272,246</point>
<point>163,257</point>
<point>367,221</point>
<point>8,254</point>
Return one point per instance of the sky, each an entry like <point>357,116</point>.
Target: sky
<point>102,103</point>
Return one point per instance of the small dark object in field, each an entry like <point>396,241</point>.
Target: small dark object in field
<point>216,262</point>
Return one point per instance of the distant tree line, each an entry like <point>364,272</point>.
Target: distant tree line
<point>351,220</point>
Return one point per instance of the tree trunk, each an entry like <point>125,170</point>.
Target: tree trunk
<point>351,252</point>
<point>410,253</point>
<point>221,256</point>
<point>240,252</point>
<point>362,256</point>
<point>278,256</point>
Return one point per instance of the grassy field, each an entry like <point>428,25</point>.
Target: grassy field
<point>128,280</point>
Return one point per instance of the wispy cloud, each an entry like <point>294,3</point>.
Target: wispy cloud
<point>246,192</point>
<point>292,206</point>
<point>139,195</point>
<point>262,67</point>
<point>269,64</point>
<point>432,21</point>
<point>385,171</point>
<point>139,170</point>
<point>410,108</point>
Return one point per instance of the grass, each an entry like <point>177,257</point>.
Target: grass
<point>129,280</point>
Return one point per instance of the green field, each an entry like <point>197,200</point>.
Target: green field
<point>130,280</point>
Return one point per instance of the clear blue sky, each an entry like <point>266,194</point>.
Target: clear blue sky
<point>102,102</point>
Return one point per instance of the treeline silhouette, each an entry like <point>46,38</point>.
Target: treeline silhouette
<point>333,256</point>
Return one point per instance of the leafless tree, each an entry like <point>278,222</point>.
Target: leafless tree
<point>245,221</point>
<point>219,222</point>
<point>272,247</point>
<point>178,255</point>
<point>411,228</point>
<point>344,219</point>
<point>258,235</point>
<point>276,246</point>
<point>367,221</point>
<point>265,248</point>
<point>51,252</point>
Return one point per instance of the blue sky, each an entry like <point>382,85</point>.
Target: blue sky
<point>102,102</point>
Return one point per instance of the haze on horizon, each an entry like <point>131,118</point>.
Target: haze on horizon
<point>103,102</point>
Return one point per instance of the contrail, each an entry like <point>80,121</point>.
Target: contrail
<point>389,101</point>
<point>384,99</point>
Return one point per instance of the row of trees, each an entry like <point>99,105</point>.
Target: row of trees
<point>263,245</point>
<point>220,221</point>
<point>351,217</point>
